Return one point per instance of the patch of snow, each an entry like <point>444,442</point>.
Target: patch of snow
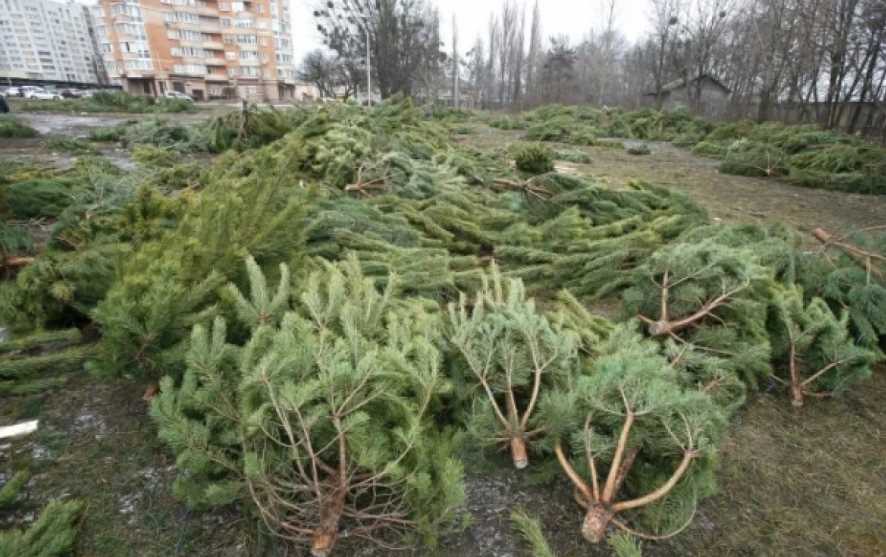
<point>86,421</point>
<point>17,430</point>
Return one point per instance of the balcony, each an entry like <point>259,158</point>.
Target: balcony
<point>212,45</point>
<point>200,10</point>
<point>206,27</point>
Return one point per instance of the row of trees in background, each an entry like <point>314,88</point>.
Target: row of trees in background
<point>401,36</point>
<point>822,57</point>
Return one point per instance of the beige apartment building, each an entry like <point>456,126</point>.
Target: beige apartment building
<point>209,49</point>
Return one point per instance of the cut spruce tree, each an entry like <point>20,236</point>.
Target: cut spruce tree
<point>815,347</point>
<point>508,354</point>
<point>321,421</point>
<point>633,439</point>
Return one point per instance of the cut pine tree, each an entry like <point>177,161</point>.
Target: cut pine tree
<point>509,353</point>
<point>633,408</point>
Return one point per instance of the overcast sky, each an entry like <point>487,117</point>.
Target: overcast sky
<point>571,17</point>
<point>574,18</point>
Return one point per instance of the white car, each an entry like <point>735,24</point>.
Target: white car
<point>25,90</point>
<point>43,96</point>
<point>177,95</point>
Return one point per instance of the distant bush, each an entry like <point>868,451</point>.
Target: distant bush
<point>161,133</point>
<point>105,101</point>
<point>639,149</point>
<point>731,130</point>
<point>688,139</point>
<point>534,159</point>
<point>573,155</point>
<point>115,133</point>
<point>751,158</point>
<point>508,123</point>
<point>37,198</point>
<point>806,155</point>
<point>610,144</point>
<point>157,131</point>
<point>847,167</point>
<point>563,129</point>
<point>11,128</point>
<point>71,145</point>
<point>556,129</point>
<point>710,149</point>
<point>252,128</point>
<point>149,155</point>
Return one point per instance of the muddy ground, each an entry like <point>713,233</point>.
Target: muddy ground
<point>807,482</point>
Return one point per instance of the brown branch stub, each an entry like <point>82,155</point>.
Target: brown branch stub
<point>861,256</point>
<point>664,326</point>
<point>528,187</point>
<point>15,262</point>
<point>365,187</point>
<point>602,509</point>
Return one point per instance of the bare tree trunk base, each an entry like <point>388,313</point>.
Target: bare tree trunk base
<point>326,534</point>
<point>596,522</point>
<point>518,453</point>
<point>322,544</point>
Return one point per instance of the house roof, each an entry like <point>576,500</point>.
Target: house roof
<point>681,83</point>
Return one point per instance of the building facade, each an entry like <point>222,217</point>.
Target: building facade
<point>48,41</point>
<point>208,49</point>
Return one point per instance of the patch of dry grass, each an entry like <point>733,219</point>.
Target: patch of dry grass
<point>800,482</point>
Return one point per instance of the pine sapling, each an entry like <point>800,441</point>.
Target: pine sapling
<point>511,352</point>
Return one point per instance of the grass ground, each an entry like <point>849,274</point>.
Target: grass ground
<point>804,482</point>
<point>726,197</point>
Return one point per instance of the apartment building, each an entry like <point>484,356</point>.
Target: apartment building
<point>48,41</point>
<point>208,49</point>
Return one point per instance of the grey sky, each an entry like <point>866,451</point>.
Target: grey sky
<point>574,18</point>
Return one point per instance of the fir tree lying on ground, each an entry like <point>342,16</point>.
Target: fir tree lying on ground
<point>321,420</point>
<point>710,296</point>
<point>645,439</point>
<point>850,273</point>
<point>509,353</point>
<point>814,346</point>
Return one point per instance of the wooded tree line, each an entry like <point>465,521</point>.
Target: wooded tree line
<point>821,57</point>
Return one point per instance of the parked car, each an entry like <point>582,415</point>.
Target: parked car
<point>13,92</point>
<point>70,93</point>
<point>26,90</point>
<point>43,95</point>
<point>177,95</point>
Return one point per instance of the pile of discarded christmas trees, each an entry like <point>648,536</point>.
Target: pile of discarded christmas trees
<point>332,318</point>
